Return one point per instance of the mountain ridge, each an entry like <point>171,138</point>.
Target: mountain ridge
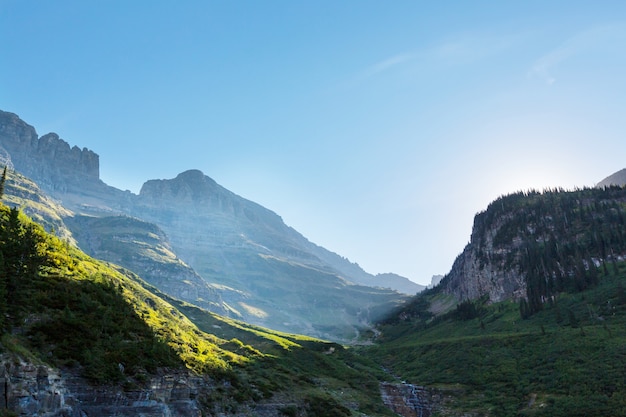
<point>237,246</point>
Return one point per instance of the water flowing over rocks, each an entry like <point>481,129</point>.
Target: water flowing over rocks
<point>410,400</point>
<point>407,400</point>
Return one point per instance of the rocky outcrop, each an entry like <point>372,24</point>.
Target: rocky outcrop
<point>534,245</point>
<point>482,269</point>
<point>48,159</point>
<point>39,390</point>
<point>410,400</point>
<point>618,178</point>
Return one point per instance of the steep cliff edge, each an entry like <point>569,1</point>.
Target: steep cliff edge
<point>533,245</point>
<point>49,159</point>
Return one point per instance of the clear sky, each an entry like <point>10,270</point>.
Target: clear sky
<point>377,129</point>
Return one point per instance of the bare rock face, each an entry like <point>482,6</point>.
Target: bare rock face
<point>618,178</point>
<point>39,390</point>
<point>472,277</point>
<point>481,270</point>
<point>48,159</point>
<point>410,400</point>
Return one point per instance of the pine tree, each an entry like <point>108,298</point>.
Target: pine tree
<point>3,295</point>
<point>3,181</point>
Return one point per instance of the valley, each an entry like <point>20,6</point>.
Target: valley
<point>189,300</point>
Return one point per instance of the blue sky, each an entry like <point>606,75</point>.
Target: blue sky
<point>377,129</point>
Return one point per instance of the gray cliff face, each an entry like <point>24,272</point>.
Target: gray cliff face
<point>28,389</point>
<point>618,178</point>
<point>39,390</point>
<point>481,269</point>
<point>49,159</point>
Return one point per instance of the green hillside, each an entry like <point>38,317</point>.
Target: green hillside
<point>63,308</point>
<point>559,350</point>
<point>567,360</point>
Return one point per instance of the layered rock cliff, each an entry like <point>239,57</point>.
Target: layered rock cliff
<point>48,159</point>
<point>481,269</point>
<point>533,245</point>
<point>40,390</point>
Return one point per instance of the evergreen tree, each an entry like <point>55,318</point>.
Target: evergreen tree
<point>20,246</point>
<point>3,294</point>
<point>3,181</point>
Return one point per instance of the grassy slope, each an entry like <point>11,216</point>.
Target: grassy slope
<point>82,313</point>
<point>24,193</point>
<point>300,364</point>
<point>567,360</point>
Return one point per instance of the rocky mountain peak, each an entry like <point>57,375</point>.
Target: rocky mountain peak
<point>191,186</point>
<point>49,160</point>
<point>618,178</point>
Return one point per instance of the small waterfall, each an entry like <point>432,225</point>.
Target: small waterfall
<point>407,400</point>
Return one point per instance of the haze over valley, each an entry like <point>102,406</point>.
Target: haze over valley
<point>312,209</point>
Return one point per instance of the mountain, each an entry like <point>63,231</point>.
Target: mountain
<point>533,245</point>
<point>618,178</point>
<point>81,337</point>
<point>530,320</point>
<point>222,251</point>
<point>143,246</point>
<point>399,283</point>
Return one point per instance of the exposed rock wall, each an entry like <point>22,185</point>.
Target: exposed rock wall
<point>39,390</point>
<point>27,389</point>
<point>617,178</point>
<point>481,269</point>
<point>48,159</point>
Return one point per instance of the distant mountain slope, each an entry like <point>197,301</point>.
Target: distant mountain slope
<point>23,193</point>
<point>142,246</point>
<point>399,282</point>
<point>234,242</point>
<point>618,178</point>
<point>262,270</point>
